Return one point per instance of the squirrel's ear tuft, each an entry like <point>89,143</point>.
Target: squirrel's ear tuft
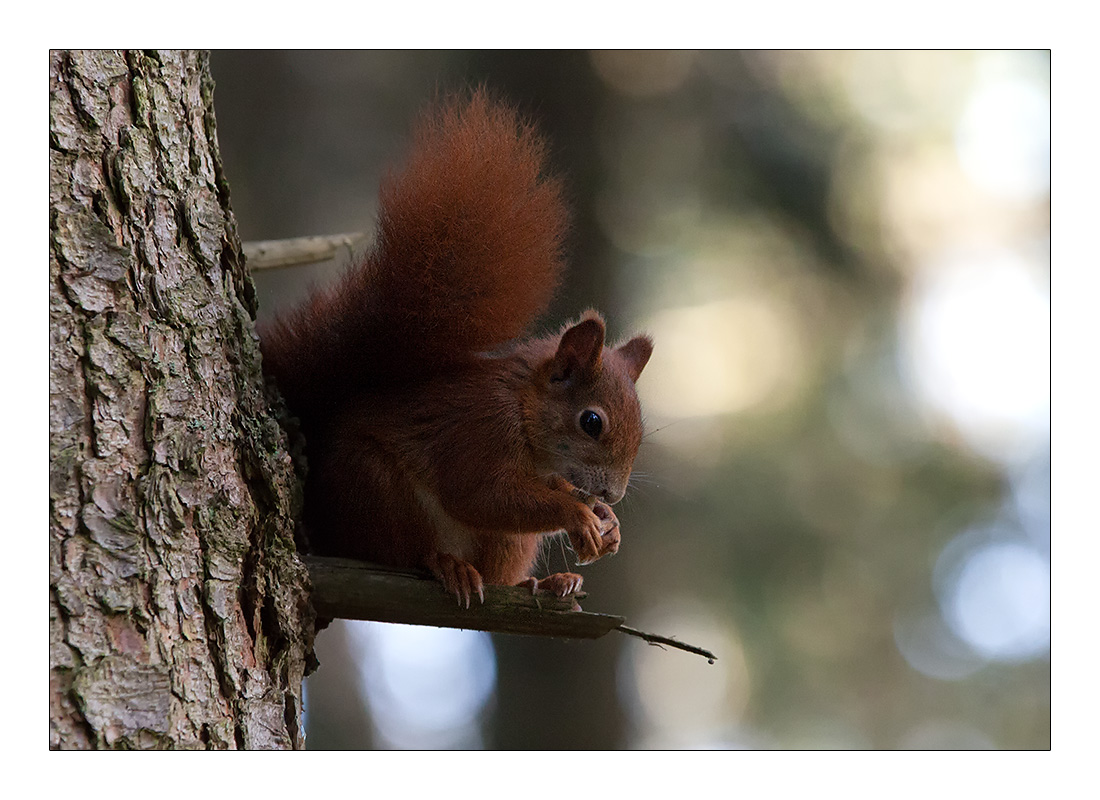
<point>635,354</point>
<point>579,350</point>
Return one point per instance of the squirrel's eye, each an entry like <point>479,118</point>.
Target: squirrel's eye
<point>591,423</point>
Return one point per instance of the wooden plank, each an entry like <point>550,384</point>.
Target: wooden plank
<point>345,589</point>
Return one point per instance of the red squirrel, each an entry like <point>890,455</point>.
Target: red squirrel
<point>434,438</point>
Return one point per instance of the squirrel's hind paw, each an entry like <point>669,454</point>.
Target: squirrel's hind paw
<point>560,583</point>
<point>458,577</point>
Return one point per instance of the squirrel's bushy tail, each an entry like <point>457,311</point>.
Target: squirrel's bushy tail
<point>468,254</point>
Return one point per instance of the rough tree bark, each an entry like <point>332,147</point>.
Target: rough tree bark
<point>179,612</point>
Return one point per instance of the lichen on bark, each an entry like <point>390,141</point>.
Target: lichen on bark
<point>179,612</point>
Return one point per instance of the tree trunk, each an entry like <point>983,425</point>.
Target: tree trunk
<point>179,611</point>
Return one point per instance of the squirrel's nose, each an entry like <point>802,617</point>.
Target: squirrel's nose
<point>612,496</point>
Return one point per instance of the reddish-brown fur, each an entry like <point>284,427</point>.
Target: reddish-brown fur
<point>423,449</point>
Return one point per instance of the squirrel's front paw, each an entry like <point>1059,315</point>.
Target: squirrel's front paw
<point>584,535</point>
<point>610,536</point>
<point>458,577</point>
<point>596,534</point>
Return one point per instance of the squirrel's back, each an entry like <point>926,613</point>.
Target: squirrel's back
<point>467,255</point>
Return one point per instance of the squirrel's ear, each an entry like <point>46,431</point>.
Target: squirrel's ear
<point>635,354</point>
<point>579,350</point>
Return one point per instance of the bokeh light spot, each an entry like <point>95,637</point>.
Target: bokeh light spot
<point>976,351</point>
<point>722,358</point>
<point>679,700</point>
<point>999,601</point>
<point>426,686</point>
<point>1003,139</point>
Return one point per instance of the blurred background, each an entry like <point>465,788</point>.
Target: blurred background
<point>843,258</point>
